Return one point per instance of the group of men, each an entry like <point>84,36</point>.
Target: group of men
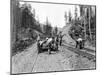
<point>49,43</point>
<point>52,42</point>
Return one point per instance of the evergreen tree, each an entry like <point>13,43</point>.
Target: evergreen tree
<point>48,28</point>
<point>28,19</point>
<point>56,30</point>
<point>70,16</point>
<point>66,17</point>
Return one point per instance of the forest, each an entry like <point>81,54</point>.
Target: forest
<point>25,27</point>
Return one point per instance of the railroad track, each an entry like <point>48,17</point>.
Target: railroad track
<point>37,55</point>
<point>75,50</point>
<point>82,53</point>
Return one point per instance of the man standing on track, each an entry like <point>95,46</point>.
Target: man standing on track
<point>38,44</point>
<point>76,34</point>
<point>60,38</point>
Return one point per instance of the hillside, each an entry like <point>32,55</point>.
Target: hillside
<point>25,38</point>
<point>67,38</point>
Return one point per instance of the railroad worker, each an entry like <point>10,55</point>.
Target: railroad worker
<point>54,45</point>
<point>49,44</point>
<point>75,32</point>
<point>57,41</point>
<point>79,42</point>
<point>38,37</point>
<point>60,38</point>
<point>57,38</point>
<point>38,43</point>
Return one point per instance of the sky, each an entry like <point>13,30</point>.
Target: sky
<point>54,12</point>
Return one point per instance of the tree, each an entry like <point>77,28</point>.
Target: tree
<point>15,19</point>
<point>56,30</point>
<point>75,13</point>
<point>87,13</point>
<point>48,28</point>
<point>65,17</point>
<point>90,23</point>
<point>70,16</point>
<point>28,19</point>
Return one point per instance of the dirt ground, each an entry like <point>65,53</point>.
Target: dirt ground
<point>29,61</point>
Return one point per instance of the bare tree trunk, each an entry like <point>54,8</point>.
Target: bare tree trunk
<point>84,27</point>
<point>84,24</point>
<point>90,24</point>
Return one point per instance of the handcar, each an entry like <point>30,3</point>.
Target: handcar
<point>48,44</point>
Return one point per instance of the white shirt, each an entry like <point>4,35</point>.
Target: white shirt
<point>79,39</point>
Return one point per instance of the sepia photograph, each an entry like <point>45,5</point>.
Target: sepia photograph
<point>52,37</point>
